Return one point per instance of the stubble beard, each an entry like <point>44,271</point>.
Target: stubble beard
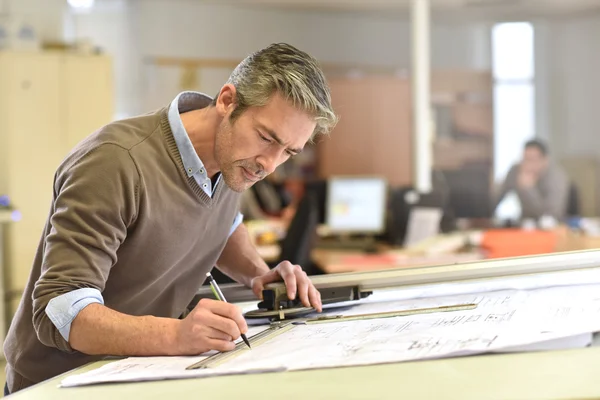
<point>232,174</point>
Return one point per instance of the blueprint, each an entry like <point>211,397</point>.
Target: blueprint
<point>503,319</point>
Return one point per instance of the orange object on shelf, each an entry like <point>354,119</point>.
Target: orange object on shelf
<point>501,243</point>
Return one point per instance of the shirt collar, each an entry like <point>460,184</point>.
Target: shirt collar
<point>187,101</point>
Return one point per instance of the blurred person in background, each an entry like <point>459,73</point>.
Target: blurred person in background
<point>541,186</point>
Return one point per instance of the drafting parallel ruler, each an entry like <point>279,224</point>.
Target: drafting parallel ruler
<point>390,314</point>
<point>277,328</point>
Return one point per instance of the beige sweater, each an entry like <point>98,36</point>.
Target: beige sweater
<point>126,220</point>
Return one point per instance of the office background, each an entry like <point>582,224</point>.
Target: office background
<point>501,72</point>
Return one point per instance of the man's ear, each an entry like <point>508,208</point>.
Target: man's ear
<point>226,101</point>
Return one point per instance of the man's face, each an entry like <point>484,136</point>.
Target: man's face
<point>260,140</point>
<point>534,161</point>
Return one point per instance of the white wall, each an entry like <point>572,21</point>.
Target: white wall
<point>112,26</point>
<point>188,28</point>
<point>45,15</point>
<point>572,56</point>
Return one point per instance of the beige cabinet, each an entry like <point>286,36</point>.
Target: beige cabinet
<point>48,102</point>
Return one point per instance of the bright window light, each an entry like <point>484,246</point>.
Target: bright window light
<point>514,92</point>
<point>81,4</point>
<point>514,124</point>
<point>512,50</point>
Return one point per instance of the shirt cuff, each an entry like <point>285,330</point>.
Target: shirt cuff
<point>63,309</point>
<point>236,222</point>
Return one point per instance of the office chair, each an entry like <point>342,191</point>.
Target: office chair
<point>573,204</point>
<point>318,188</point>
<point>301,236</point>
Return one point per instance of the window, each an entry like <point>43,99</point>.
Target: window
<point>81,4</point>
<point>514,92</point>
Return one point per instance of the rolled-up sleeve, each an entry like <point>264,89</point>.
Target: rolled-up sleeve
<point>63,309</point>
<point>95,201</point>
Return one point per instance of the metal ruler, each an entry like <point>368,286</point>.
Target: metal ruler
<point>390,314</point>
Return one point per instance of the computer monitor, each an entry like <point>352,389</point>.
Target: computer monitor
<point>469,192</point>
<point>406,206</point>
<point>356,205</point>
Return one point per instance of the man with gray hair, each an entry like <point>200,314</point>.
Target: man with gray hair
<point>143,208</point>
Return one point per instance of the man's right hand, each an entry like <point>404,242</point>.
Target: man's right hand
<point>212,325</point>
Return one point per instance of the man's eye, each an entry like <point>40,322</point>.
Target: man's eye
<point>264,138</point>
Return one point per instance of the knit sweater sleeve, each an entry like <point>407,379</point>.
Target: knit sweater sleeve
<point>95,201</point>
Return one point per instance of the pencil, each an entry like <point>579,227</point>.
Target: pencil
<point>219,295</point>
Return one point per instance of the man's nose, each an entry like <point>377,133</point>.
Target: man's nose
<point>269,165</point>
<point>269,162</point>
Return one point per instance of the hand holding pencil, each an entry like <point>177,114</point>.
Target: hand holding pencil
<point>220,296</point>
<point>211,325</point>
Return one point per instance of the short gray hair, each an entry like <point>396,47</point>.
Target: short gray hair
<point>297,76</point>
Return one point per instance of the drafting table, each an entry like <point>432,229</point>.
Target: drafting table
<point>550,375</point>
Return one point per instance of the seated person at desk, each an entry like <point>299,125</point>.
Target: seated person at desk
<point>541,186</point>
<point>145,207</point>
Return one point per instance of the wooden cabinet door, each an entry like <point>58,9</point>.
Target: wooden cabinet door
<point>87,96</point>
<point>373,135</point>
<point>31,139</point>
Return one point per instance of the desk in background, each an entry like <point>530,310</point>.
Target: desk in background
<point>441,250</point>
<point>335,261</point>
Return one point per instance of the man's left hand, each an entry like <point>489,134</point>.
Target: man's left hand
<point>296,281</point>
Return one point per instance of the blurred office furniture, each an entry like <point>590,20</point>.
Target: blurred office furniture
<point>335,262</point>
<point>301,237</point>
<point>456,248</point>
<point>318,188</point>
<point>573,201</point>
<point>403,202</point>
<point>297,244</point>
<point>584,172</point>
<point>374,133</point>
<point>469,192</point>
<point>49,101</point>
<point>264,199</point>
